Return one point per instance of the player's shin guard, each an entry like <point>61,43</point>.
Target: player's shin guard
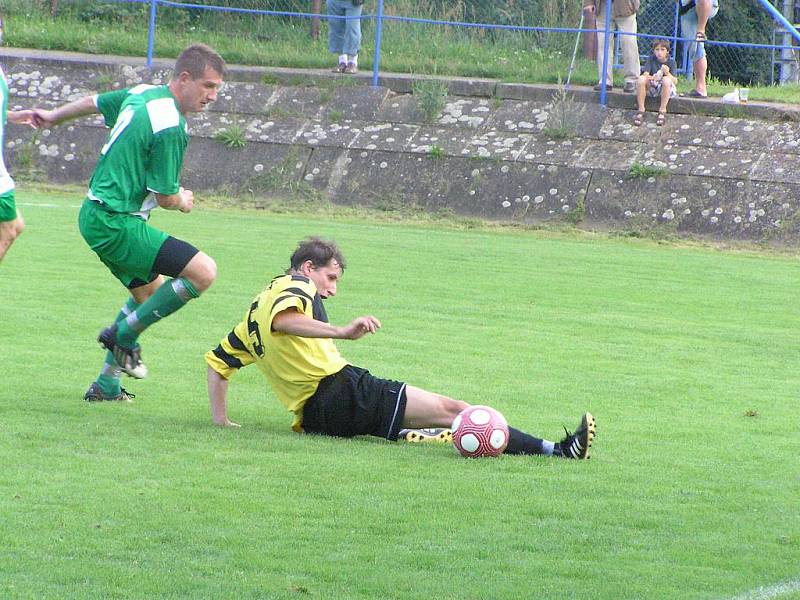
<point>167,299</point>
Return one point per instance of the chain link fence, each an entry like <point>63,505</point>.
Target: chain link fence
<point>508,25</point>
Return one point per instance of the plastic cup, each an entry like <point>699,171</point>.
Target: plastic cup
<point>743,94</point>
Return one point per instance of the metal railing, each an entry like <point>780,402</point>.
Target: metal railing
<point>660,18</point>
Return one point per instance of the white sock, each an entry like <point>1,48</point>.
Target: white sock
<point>548,447</point>
<point>353,59</point>
<point>343,58</point>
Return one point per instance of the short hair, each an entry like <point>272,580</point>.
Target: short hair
<point>196,58</point>
<point>318,251</point>
<point>664,43</point>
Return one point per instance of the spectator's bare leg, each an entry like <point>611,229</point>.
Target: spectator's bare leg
<point>641,91</point>
<point>703,8</point>
<point>666,91</point>
<point>700,68</point>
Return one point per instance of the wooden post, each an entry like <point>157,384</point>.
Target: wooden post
<point>315,9</point>
<point>53,7</point>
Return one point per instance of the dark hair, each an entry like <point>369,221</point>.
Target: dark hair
<point>318,251</point>
<point>196,58</point>
<point>659,42</point>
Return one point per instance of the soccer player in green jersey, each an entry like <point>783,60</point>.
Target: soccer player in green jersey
<point>138,170</point>
<point>11,222</point>
<point>286,334</point>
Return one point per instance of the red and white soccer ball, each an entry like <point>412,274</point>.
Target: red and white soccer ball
<point>480,431</point>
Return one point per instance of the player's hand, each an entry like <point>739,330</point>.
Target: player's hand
<point>360,327</point>
<point>187,200</point>
<point>21,117</point>
<point>42,119</point>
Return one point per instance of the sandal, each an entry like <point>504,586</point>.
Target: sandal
<point>694,94</point>
<point>661,119</point>
<point>638,118</point>
<point>700,37</point>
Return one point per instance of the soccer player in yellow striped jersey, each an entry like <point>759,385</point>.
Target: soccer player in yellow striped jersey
<point>138,170</point>
<point>286,333</point>
<point>11,222</point>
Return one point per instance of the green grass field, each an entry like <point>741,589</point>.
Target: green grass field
<point>687,356</point>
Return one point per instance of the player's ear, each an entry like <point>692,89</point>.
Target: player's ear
<point>307,267</point>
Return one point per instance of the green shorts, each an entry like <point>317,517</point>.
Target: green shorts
<point>125,243</point>
<point>8,210</point>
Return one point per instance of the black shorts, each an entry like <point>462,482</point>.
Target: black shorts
<point>171,260</point>
<point>353,402</point>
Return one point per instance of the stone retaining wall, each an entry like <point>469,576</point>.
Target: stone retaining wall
<point>524,153</point>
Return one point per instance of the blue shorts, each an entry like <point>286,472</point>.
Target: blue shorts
<point>689,31</point>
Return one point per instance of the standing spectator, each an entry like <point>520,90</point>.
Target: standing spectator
<point>657,80</point>
<point>623,15</point>
<point>694,17</point>
<point>344,35</point>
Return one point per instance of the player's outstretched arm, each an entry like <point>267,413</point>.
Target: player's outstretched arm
<point>21,117</point>
<point>45,119</point>
<point>295,323</point>
<point>218,399</point>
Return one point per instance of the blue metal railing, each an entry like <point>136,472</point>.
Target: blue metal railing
<point>380,17</point>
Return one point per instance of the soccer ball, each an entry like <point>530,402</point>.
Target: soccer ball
<point>480,431</point>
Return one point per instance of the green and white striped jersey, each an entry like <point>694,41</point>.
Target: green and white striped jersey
<point>144,151</point>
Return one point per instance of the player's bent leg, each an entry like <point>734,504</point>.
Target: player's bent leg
<point>108,379</point>
<point>426,409</point>
<point>142,293</point>
<point>193,272</point>
<point>201,271</point>
<point>10,231</point>
<point>128,358</point>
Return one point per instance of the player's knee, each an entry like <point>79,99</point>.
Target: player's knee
<point>10,230</point>
<point>452,407</point>
<point>204,273</point>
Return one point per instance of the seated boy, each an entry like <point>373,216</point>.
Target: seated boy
<point>657,80</point>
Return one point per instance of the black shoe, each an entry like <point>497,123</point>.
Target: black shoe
<point>95,394</point>
<point>598,86</point>
<point>576,445</point>
<point>426,435</point>
<point>128,359</point>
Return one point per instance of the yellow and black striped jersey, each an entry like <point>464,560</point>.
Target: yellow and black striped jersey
<point>293,365</point>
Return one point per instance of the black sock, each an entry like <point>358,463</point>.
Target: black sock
<point>520,442</point>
